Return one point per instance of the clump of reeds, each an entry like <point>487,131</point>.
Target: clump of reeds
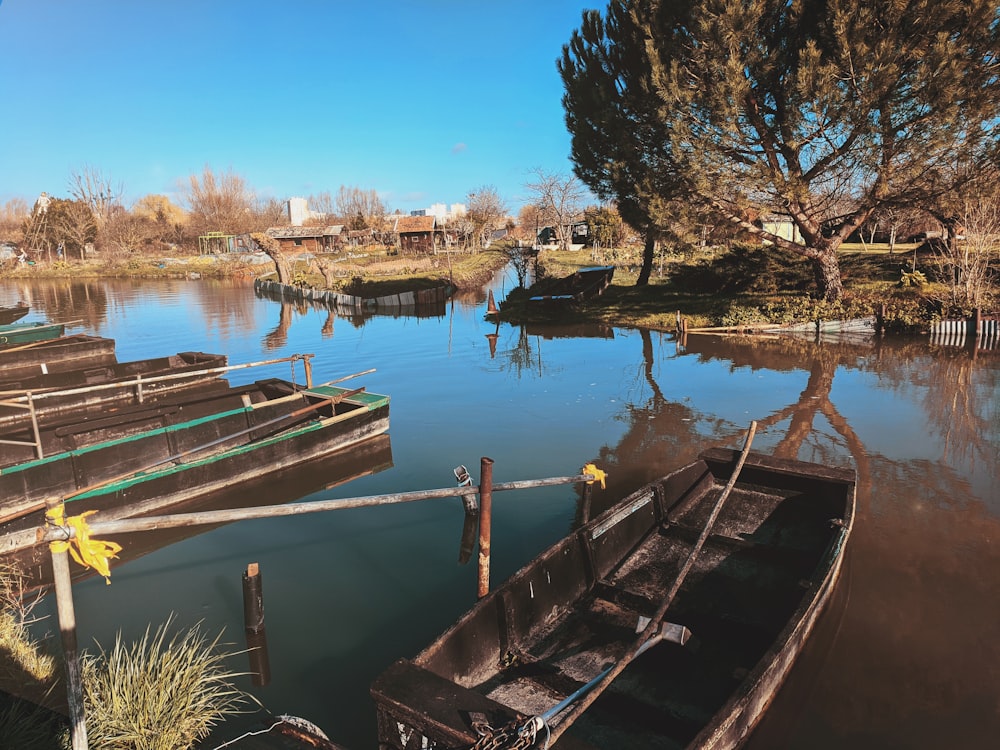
<point>158,693</point>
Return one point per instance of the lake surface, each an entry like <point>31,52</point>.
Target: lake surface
<point>908,656</point>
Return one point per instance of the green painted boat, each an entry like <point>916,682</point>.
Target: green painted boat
<point>25,333</point>
<point>283,485</point>
<point>280,425</point>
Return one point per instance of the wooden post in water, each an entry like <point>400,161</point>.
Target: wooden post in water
<point>67,629</point>
<point>253,622</point>
<point>307,366</point>
<point>485,521</point>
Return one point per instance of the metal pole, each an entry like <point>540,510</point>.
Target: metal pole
<point>485,521</point>
<point>67,629</point>
<point>208,517</point>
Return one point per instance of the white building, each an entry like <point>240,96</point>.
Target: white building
<point>299,213</point>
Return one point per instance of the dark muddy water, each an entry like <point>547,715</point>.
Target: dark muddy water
<point>907,657</point>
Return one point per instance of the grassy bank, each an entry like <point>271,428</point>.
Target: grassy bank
<point>744,286</point>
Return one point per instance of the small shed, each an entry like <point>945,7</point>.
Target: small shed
<point>417,234</point>
<point>308,239</point>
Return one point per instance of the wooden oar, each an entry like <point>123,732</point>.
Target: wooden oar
<point>650,632</point>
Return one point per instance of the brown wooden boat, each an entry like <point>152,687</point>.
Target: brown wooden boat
<point>84,391</point>
<point>10,314</point>
<point>83,428</point>
<point>563,652</point>
<point>113,372</point>
<point>283,485</point>
<point>582,285</point>
<point>56,355</point>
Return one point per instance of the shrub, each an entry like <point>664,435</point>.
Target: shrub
<point>158,694</point>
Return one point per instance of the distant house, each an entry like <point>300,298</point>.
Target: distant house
<point>309,239</point>
<point>417,234</point>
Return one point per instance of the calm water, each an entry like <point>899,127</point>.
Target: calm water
<point>908,656</point>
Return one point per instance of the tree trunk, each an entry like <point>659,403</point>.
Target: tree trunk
<point>827,272</point>
<point>648,251</point>
<point>273,250</point>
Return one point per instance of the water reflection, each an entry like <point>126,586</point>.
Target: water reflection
<point>910,657</point>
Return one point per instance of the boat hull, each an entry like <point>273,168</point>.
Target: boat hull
<point>56,355</point>
<point>584,284</point>
<point>751,599</point>
<point>82,428</point>
<point>164,467</point>
<point>78,393</point>
<point>283,485</point>
<point>9,315</point>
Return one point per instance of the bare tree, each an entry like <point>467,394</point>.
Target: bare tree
<point>13,215</point>
<point>70,225</point>
<point>222,203</point>
<point>268,212</point>
<point>323,203</point>
<point>487,212</point>
<point>360,209</point>
<point>97,191</point>
<point>125,232</point>
<point>559,198</point>
<point>967,264</point>
<point>520,257</point>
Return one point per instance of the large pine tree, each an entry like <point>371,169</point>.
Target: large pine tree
<point>821,110</point>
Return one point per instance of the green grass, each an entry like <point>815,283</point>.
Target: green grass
<point>742,286</point>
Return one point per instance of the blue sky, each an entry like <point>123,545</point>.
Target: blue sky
<point>423,101</point>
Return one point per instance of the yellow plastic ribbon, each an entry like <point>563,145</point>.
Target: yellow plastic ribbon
<point>599,476</point>
<point>90,553</point>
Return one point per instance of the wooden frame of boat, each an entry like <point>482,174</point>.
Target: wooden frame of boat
<point>37,401</point>
<point>279,427</point>
<point>528,652</point>
<point>79,430</point>
<point>56,355</point>
<point>83,416</point>
<point>141,369</point>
